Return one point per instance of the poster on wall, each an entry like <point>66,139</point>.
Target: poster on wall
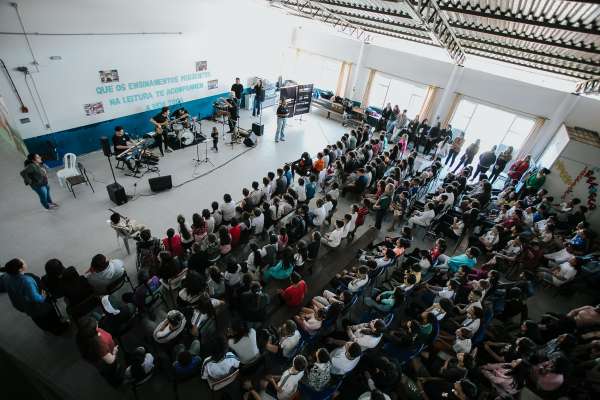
<point>212,84</point>
<point>93,108</point>
<point>304,99</point>
<point>201,66</point>
<point>7,132</point>
<point>289,94</point>
<point>109,75</point>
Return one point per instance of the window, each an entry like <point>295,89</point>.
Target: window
<point>407,95</point>
<point>492,126</point>
<point>321,71</point>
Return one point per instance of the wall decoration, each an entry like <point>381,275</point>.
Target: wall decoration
<point>201,66</point>
<point>592,189</point>
<point>93,108</point>
<point>572,185</point>
<point>213,84</point>
<point>108,76</point>
<point>563,173</point>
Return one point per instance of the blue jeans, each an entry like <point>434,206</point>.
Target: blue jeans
<point>390,126</point>
<point>44,193</point>
<point>256,107</point>
<point>279,133</point>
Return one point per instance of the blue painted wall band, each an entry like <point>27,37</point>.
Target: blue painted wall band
<point>85,139</point>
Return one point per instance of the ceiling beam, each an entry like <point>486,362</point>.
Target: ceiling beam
<point>488,12</point>
<point>386,21</point>
<point>584,72</point>
<point>534,66</point>
<point>528,38</point>
<point>591,86</point>
<point>591,48</point>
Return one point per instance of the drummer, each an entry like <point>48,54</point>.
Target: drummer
<point>182,116</point>
<point>122,142</point>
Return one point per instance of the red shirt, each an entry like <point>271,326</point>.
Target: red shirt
<point>362,213</point>
<point>294,295</point>
<point>107,344</point>
<point>235,232</point>
<point>173,246</point>
<point>518,169</point>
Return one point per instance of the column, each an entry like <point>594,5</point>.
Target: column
<point>359,76</point>
<point>535,145</point>
<point>448,94</point>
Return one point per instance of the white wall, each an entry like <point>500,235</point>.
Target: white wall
<point>237,38</point>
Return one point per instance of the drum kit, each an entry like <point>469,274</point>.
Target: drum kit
<point>180,134</point>
<point>185,134</point>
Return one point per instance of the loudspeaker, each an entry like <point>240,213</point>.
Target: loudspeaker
<point>116,193</point>
<point>105,146</point>
<point>258,129</point>
<point>160,183</point>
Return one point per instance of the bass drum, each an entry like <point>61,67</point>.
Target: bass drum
<point>187,138</point>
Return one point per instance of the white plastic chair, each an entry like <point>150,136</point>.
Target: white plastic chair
<point>122,235</point>
<point>70,169</point>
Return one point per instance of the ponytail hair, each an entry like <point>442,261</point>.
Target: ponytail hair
<point>13,267</point>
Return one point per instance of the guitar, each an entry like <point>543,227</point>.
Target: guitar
<point>167,124</point>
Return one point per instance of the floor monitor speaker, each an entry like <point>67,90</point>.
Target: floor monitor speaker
<point>258,129</point>
<point>116,193</point>
<point>160,183</point>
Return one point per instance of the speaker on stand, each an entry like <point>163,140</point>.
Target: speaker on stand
<point>116,192</point>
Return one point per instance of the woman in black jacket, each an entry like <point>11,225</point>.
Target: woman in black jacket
<point>36,176</point>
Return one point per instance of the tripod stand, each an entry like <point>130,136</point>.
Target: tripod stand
<point>197,161</point>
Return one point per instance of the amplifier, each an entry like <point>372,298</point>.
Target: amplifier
<point>160,183</point>
<point>258,129</point>
<point>116,193</point>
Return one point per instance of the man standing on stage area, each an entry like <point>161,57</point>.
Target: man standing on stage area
<point>234,111</point>
<point>238,88</point>
<point>282,113</point>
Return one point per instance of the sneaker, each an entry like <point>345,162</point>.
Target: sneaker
<point>276,141</point>
<point>282,139</point>
<point>168,150</point>
<point>53,205</point>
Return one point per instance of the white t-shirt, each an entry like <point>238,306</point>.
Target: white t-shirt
<point>355,284</point>
<point>365,341</point>
<point>288,383</point>
<point>245,348</point>
<point>567,272</point>
<point>220,369</point>
<point>228,210</point>
<point>300,191</point>
<point>462,345</point>
<point>258,223</point>
<point>335,238</point>
<point>319,215</point>
<point>340,364</point>
<point>288,344</point>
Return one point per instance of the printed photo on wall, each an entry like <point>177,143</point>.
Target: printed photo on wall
<point>108,76</point>
<point>201,66</point>
<point>213,84</point>
<point>93,108</point>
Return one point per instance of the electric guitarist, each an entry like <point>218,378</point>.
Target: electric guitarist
<point>161,123</point>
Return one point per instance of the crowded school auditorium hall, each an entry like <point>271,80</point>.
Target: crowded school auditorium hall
<point>382,201</point>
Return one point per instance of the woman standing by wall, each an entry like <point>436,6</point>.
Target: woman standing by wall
<point>36,176</point>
